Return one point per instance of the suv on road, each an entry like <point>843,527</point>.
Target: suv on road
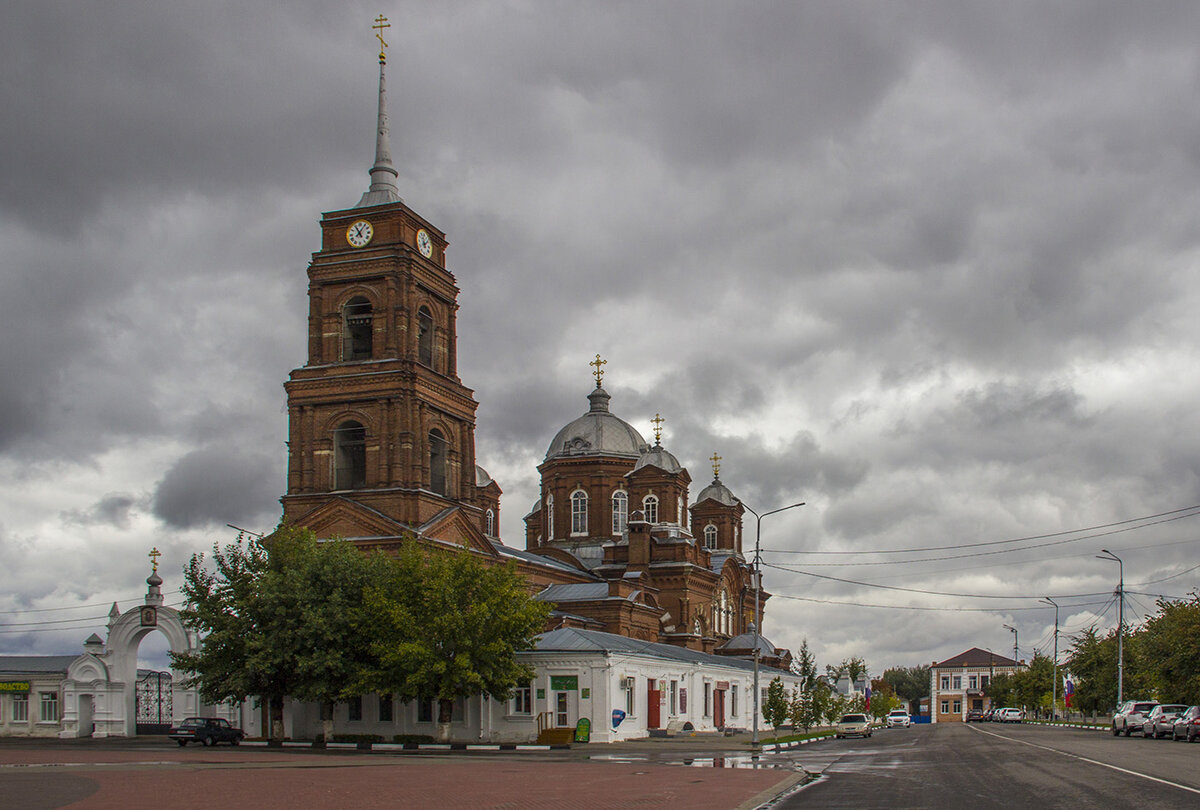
<point>898,718</point>
<point>1131,715</point>
<point>1011,715</point>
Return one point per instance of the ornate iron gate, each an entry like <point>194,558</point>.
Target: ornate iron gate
<point>153,702</point>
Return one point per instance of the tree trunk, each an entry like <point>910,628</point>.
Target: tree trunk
<point>276,704</point>
<point>445,715</point>
<point>327,722</point>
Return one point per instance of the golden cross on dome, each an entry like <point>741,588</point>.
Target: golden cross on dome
<point>599,372</point>
<point>658,423</point>
<point>381,22</point>
<point>716,462</point>
<point>154,555</point>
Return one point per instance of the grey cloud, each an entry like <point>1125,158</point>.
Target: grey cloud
<point>219,484</point>
<point>113,510</point>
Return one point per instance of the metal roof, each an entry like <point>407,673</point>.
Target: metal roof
<point>21,664</point>
<point>574,592</point>
<point>597,433</point>
<point>573,639</point>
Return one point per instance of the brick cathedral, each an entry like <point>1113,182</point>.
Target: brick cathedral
<point>381,450</point>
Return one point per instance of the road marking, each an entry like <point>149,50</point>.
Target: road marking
<point>1091,761</point>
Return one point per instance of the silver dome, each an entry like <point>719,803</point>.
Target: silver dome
<point>657,456</point>
<point>718,492</point>
<point>597,433</point>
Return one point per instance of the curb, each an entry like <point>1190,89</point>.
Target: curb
<point>1085,726</point>
<point>775,748</point>
<point>401,747</point>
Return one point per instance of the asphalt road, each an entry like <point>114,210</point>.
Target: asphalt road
<point>988,765</point>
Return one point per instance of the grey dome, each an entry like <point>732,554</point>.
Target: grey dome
<point>745,641</point>
<point>718,492</point>
<point>597,433</point>
<point>657,456</point>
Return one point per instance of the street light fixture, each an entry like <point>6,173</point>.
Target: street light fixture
<point>1120,624</point>
<point>1016,653</point>
<point>757,588</point>
<point>1054,693</point>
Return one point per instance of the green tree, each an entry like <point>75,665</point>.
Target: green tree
<point>1001,690</point>
<point>775,709</point>
<point>281,616</point>
<point>1168,646</point>
<point>449,627</point>
<point>909,683</point>
<point>805,665</point>
<point>883,698</point>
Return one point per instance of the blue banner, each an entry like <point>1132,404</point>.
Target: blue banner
<point>618,716</point>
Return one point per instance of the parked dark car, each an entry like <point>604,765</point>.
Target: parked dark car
<point>1130,715</point>
<point>1187,725</point>
<point>206,731</point>
<point>1161,720</point>
<point>974,715</point>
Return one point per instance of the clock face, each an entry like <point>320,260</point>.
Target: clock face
<point>424,243</point>
<point>360,233</point>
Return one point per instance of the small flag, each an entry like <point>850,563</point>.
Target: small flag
<point>1068,690</point>
<point>868,698</point>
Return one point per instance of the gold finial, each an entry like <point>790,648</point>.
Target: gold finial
<point>381,22</point>
<point>599,372</point>
<point>658,423</point>
<point>154,555</point>
<point>716,462</point>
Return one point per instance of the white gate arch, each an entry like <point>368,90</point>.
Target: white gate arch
<point>102,682</point>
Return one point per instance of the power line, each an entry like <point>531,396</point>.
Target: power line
<point>919,607</point>
<point>1195,509</point>
<point>931,593</point>
<point>5,628</point>
<point>80,607</point>
<point>974,553</point>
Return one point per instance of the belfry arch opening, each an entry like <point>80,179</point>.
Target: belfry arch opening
<point>425,337</point>
<point>437,461</point>
<point>357,329</point>
<point>349,456</point>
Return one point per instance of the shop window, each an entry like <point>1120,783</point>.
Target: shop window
<point>354,709</point>
<point>385,708</point>
<point>20,708</point>
<point>49,707</point>
<point>522,701</point>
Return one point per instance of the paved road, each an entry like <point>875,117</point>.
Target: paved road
<point>997,766</point>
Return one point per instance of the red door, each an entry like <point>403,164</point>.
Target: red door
<point>719,708</point>
<point>653,701</point>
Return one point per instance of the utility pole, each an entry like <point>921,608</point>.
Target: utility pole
<point>1120,624</point>
<point>757,608</point>
<point>1054,699</point>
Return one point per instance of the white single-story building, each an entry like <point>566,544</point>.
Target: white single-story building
<point>623,687</point>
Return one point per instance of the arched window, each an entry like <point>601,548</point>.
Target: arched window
<point>437,462</point>
<point>425,337</point>
<point>650,508</point>
<point>549,517</point>
<point>490,520</point>
<point>710,536</point>
<point>726,614</point>
<point>349,456</point>
<point>620,511</point>
<point>356,329</point>
<point>579,503</point>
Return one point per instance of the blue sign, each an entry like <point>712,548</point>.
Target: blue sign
<point>618,716</point>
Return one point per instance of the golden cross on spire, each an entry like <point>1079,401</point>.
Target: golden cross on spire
<point>716,462</point>
<point>381,22</point>
<point>154,555</point>
<point>658,423</point>
<point>599,372</point>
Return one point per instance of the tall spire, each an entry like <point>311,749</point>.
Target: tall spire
<point>383,175</point>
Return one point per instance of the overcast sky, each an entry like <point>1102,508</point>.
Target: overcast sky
<point>929,267</point>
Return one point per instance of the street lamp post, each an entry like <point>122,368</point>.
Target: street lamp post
<point>1120,624</point>
<point>1016,652</point>
<point>1054,692</point>
<point>757,588</point>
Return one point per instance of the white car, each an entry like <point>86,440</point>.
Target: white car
<point>899,719</point>
<point>1011,715</point>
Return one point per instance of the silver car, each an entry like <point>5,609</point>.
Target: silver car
<point>856,724</point>
<point>1187,725</point>
<point>1130,716</point>
<point>1161,720</point>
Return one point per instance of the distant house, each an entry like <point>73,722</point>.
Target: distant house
<point>959,684</point>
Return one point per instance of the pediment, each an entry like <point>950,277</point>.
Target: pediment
<point>345,518</point>
<point>455,528</point>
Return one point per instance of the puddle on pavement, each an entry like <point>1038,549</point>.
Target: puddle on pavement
<point>732,761</point>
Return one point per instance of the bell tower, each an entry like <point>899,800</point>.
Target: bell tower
<point>381,429</point>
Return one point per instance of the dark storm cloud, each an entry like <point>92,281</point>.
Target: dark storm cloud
<point>928,266</point>
<point>218,485</point>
